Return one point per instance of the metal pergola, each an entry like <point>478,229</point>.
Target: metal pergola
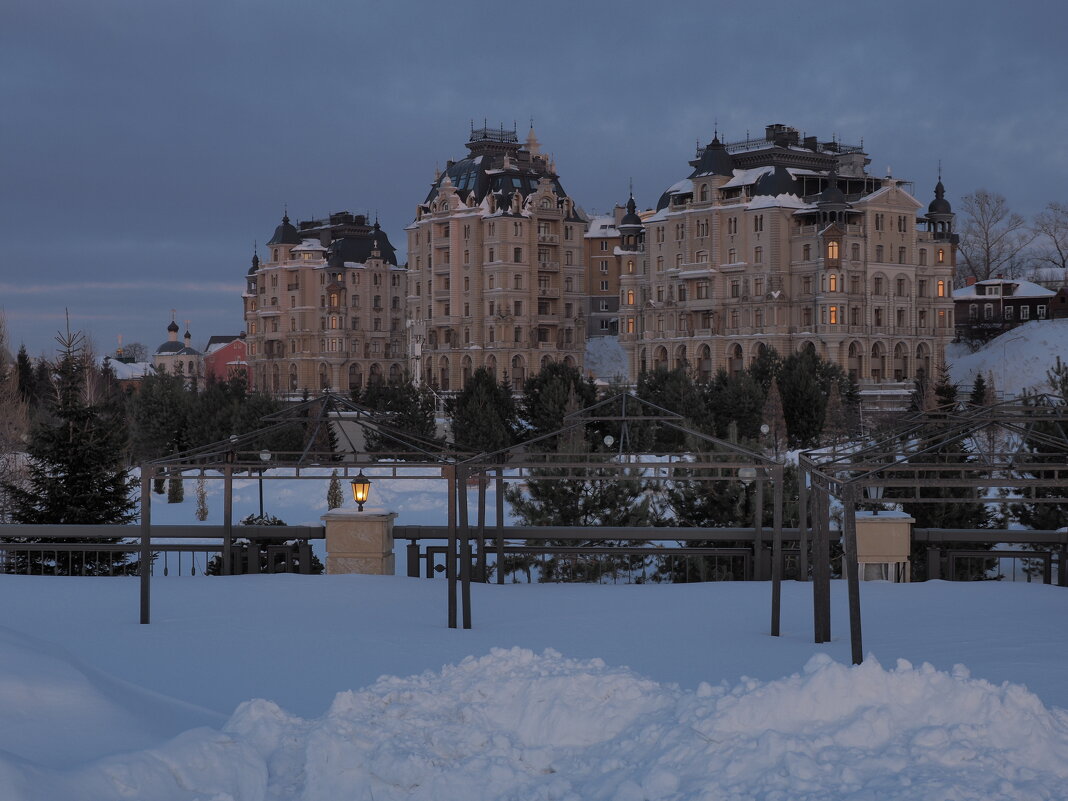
<point>1019,445</point>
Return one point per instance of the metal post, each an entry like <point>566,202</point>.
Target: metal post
<point>228,519</point>
<point>261,494</point>
<point>802,523</point>
<point>482,526</point>
<point>450,556</point>
<point>500,524</point>
<point>465,548</point>
<point>413,559</point>
<point>821,569</point>
<point>852,569</point>
<point>776,551</point>
<point>758,530</point>
<point>146,544</point>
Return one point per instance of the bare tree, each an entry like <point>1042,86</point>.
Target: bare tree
<point>1051,233</point>
<point>993,239</point>
<point>14,422</point>
<point>136,351</point>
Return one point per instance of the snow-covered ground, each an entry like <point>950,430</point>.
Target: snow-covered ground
<point>328,687</point>
<point>1017,360</point>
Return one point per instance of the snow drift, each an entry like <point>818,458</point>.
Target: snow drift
<point>515,724</point>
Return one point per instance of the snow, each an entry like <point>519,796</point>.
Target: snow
<point>784,201</point>
<point>1017,360</point>
<point>605,359</point>
<point>326,687</point>
<point>125,371</point>
<point>1021,289</point>
<point>746,177</point>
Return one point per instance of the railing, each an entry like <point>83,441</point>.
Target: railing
<point>76,550</point>
<point>953,554</point>
<point>606,555</point>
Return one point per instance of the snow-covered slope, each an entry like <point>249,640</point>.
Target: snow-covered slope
<point>347,696</point>
<point>1017,360</point>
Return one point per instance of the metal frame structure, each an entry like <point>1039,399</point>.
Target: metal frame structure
<point>861,476</point>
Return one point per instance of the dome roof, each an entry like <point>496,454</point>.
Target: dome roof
<point>777,182</point>
<point>940,205</point>
<point>832,195</point>
<point>285,234</point>
<point>255,264</point>
<point>714,160</point>
<point>173,327</point>
<point>631,218</point>
<point>170,347</point>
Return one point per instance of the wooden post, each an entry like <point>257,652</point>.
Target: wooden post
<point>450,557</point>
<point>758,528</point>
<point>776,552</point>
<point>852,569</point>
<point>228,520</point>
<point>146,544</point>
<point>500,524</point>
<point>802,524</point>
<point>465,548</point>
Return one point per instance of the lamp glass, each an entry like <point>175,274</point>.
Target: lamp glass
<point>361,488</point>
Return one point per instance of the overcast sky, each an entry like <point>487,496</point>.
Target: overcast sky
<point>146,144</point>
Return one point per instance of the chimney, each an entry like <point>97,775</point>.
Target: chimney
<point>969,281</point>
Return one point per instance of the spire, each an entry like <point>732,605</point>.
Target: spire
<point>533,146</point>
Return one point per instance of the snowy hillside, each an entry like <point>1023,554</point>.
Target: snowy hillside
<point>356,689</point>
<point>1017,360</point>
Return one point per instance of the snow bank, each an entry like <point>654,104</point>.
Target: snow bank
<point>515,724</point>
<point>1017,360</point>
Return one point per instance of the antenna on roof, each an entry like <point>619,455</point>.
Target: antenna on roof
<point>940,170</point>
<point>532,121</point>
<point>632,186</point>
<point>715,128</point>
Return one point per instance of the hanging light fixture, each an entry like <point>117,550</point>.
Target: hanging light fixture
<point>361,488</point>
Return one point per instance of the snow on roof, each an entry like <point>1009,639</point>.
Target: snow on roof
<point>125,372</point>
<point>1018,288</point>
<point>681,187</point>
<point>784,200</point>
<point>309,245</point>
<point>601,227</point>
<point>746,177</point>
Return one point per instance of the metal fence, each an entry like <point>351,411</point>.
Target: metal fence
<point>83,550</point>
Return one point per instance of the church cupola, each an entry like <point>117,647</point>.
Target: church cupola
<point>940,214</point>
<point>630,227</point>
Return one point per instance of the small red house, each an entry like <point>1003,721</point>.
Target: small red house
<point>225,357</point>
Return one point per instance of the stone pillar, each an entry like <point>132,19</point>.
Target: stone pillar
<point>359,542</point>
<point>884,538</point>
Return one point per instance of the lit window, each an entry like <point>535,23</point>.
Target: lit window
<point>832,250</point>
<point>941,287</point>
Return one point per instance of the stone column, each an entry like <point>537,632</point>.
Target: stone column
<point>359,542</point>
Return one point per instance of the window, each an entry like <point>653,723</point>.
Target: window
<point>630,325</point>
<point>832,250</point>
<point>941,291</point>
<point>758,255</point>
<point>518,337</point>
<point>988,311</point>
<point>877,285</point>
<point>702,290</point>
<point>604,267</point>
<point>879,253</point>
<point>703,197</point>
<point>855,252</point>
<point>806,285</point>
<point>517,281</point>
<point>732,256</point>
<point>901,256</point>
<point>832,282</point>
<point>1025,312</point>
<point>758,287</point>
<point>604,244</point>
<point>921,288</point>
<point>736,289</point>
<point>604,305</point>
<point>1008,312</point>
<point>921,318</point>
<point>732,225</point>
<point>879,222</point>
<point>901,317</point>
<point>660,264</point>
<point>900,288</point>
<point>517,228</point>
<point>604,286</point>
<point>806,252</point>
<point>567,232</point>
<point>1042,312</point>
<point>568,284</point>
<point>758,223</point>
<point>517,255</point>
<point>518,308</point>
<point>877,318</point>
<point>941,256</point>
<point>923,257</point>
<point>834,315</point>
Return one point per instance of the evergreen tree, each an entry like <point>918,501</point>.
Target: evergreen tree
<point>740,402</point>
<point>483,414</point>
<point>175,488</point>
<point>774,418</point>
<point>547,395</point>
<point>979,395</point>
<point>673,391</point>
<point>1041,452</point>
<point>945,392</point>
<point>14,423</point>
<point>835,428</point>
<point>406,409</point>
<point>76,470</point>
<point>202,499</point>
<point>765,368</point>
<point>334,498</point>
<point>159,417</point>
<point>26,380</point>
<point>805,382</point>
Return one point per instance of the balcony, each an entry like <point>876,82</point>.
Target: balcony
<point>548,266</point>
<point>548,292</point>
<point>550,239</point>
<point>292,287</point>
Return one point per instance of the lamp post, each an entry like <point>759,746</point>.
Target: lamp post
<point>265,456</point>
<point>361,488</point>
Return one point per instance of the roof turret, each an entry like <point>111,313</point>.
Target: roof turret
<point>631,218</point>
<point>285,234</point>
<point>713,160</point>
<point>940,205</point>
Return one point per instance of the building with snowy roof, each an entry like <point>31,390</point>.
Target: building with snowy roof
<point>179,358</point>
<point>495,265</point>
<point>787,242</point>
<point>985,309</point>
<point>326,309</point>
<point>226,357</point>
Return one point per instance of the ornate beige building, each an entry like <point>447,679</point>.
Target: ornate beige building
<point>495,266</point>
<point>786,242</point>
<point>326,309</point>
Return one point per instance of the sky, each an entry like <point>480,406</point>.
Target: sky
<point>147,145</point>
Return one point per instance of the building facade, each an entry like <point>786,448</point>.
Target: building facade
<point>985,309</point>
<point>788,242</point>
<point>495,267</point>
<point>179,358</point>
<point>326,308</point>
<point>226,357</point>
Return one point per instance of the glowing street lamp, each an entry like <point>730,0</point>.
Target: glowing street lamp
<point>361,488</point>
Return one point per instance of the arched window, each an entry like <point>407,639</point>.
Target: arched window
<point>941,256</point>
<point>941,286</point>
<point>832,282</point>
<point>704,192</point>
<point>630,297</point>
<point>832,250</point>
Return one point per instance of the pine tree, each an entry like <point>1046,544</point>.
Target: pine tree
<point>14,423</point>
<point>835,429</point>
<point>483,414</point>
<point>334,498</point>
<point>979,393</point>
<point>673,391</point>
<point>159,417</point>
<point>548,395</point>
<point>202,499</point>
<point>175,488</point>
<point>76,470</point>
<point>26,380</point>
<point>774,419</point>
<point>409,415</point>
